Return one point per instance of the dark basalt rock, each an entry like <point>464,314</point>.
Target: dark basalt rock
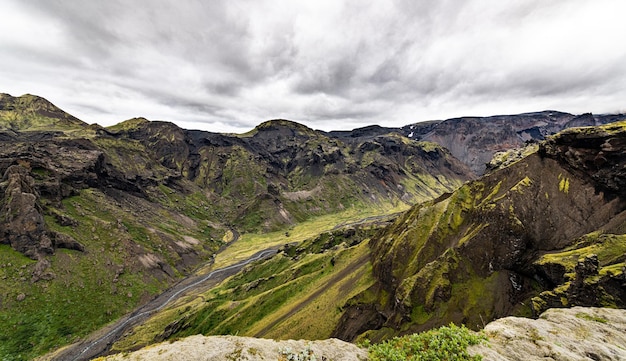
<point>580,292</point>
<point>475,140</point>
<point>22,224</point>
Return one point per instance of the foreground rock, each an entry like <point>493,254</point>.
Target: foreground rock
<point>223,348</point>
<point>571,334</point>
<point>559,334</point>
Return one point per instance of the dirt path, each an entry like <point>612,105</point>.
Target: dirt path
<point>351,268</point>
<point>101,342</point>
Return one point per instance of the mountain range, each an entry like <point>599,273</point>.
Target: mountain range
<point>387,230</point>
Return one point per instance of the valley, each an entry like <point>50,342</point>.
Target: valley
<point>90,348</point>
<point>113,239</point>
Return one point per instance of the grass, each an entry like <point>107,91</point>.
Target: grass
<point>281,297</point>
<point>250,243</point>
<point>447,343</point>
<point>90,289</point>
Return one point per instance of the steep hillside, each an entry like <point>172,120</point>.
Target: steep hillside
<point>547,231</point>
<point>281,297</point>
<point>475,140</point>
<point>95,221</point>
<point>282,172</point>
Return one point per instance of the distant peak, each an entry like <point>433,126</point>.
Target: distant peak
<point>131,123</point>
<point>281,124</point>
<point>32,112</point>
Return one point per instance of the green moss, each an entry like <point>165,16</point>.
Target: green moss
<point>430,146</point>
<point>32,113</point>
<point>447,343</point>
<point>525,182</point>
<point>609,248</point>
<point>419,315</point>
<point>491,196</point>
<point>563,184</point>
<point>130,124</point>
<point>586,316</point>
<point>471,232</point>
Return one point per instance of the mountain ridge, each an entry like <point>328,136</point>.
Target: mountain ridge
<point>95,221</point>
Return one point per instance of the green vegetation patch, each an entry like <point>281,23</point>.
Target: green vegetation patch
<point>281,297</point>
<point>610,249</point>
<point>447,343</point>
<point>586,316</point>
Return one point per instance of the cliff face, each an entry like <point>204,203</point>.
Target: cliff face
<point>475,140</point>
<point>507,243</point>
<point>283,172</point>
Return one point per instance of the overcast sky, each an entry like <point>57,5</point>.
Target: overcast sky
<point>225,66</point>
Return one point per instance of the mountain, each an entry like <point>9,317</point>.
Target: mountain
<point>381,234</point>
<point>30,112</point>
<point>95,221</point>
<point>475,140</point>
<point>546,231</point>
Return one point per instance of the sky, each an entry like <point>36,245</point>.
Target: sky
<point>226,66</point>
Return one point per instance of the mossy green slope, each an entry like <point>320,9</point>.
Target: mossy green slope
<point>476,254</point>
<point>30,112</point>
<point>279,298</point>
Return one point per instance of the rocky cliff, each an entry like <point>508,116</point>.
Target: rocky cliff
<point>577,333</point>
<point>475,140</point>
<point>546,231</point>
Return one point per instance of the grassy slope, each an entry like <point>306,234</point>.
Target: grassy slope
<point>29,112</point>
<point>278,298</point>
<point>100,285</point>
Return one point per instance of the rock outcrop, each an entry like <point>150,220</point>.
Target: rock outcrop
<point>574,334</point>
<point>22,224</point>
<point>231,348</point>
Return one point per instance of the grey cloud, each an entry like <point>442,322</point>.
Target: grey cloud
<point>350,61</point>
<point>332,78</point>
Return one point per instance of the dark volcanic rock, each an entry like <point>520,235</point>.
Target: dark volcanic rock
<point>474,140</point>
<point>594,153</point>
<point>22,224</point>
<point>580,292</point>
<point>503,244</point>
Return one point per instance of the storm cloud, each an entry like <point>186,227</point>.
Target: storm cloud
<point>225,66</point>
